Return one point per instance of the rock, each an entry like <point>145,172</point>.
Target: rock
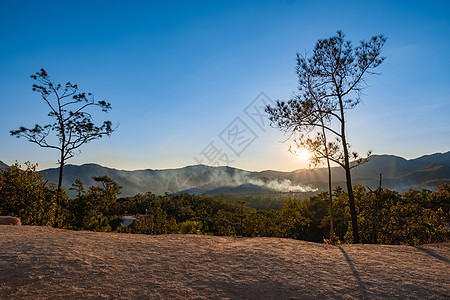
<point>7,220</point>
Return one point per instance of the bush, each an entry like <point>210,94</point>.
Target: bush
<point>386,217</point>
<point>26,195</point>
<point>189,227</point>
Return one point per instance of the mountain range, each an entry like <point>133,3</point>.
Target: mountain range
<point>427,171</point>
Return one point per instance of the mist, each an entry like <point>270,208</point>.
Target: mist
<point>284,185</point>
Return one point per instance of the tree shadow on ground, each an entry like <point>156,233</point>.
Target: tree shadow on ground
<point>355,274</point>
<point>433,254</point>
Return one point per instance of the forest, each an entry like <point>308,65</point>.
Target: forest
<point>384,216</point>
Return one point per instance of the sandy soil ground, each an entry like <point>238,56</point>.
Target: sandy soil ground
<point>47,263</point>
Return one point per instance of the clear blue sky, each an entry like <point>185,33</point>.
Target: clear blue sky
<point>178,73</point>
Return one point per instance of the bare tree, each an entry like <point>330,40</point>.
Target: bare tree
<point>332,80</point>
<point>73,125</point>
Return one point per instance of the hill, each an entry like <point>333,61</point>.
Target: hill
<point>43,262</point>
<point>3,165</point>
<point>428,171</point>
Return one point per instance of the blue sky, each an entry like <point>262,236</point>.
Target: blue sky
<point>179,73</point>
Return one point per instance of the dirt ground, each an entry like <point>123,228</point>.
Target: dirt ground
<point>48,263</point>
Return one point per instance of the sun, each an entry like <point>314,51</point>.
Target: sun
<point>302,155</point>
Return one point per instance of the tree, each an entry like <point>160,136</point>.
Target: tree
<point>104,196</point>
<point>390,218</point>
<point>78,187</point>
<point>90,210</point>
<point>73,124</point>
<point>26,195</point>
<point>303,113</point>
<point>331,81</point>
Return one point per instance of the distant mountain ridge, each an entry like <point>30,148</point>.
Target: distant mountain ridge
<point>3,165</point>
<point>428,171</point>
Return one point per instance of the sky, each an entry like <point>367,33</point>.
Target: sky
<point>182,75</point>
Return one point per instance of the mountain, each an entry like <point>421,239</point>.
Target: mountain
<point>3,165</point>
<point>437,158</point>
<point>431,175</point>
<point>242,189</point>
<point>397,173</point>
<point>428,171</point>
<point>156,181</point>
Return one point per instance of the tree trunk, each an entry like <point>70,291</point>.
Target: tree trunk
<point>58,202</point>
<point>332,241</point>
<point>351,202</point>
<point>348,177</point>
<point>61,168</point>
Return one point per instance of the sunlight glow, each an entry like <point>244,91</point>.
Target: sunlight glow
<point>302,155</point>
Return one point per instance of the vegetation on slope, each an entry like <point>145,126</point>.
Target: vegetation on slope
<point>384,216</point>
